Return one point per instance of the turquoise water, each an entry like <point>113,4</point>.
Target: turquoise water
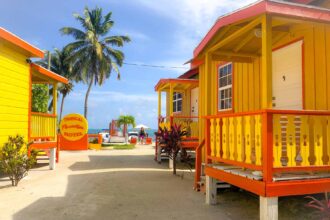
<point>151,132</point>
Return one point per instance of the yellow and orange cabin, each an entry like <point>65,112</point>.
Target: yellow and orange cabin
<point>17,74</point>
<point>264,100</point>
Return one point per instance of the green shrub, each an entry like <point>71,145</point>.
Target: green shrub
<point>14,160</point>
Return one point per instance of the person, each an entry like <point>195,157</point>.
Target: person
<point>142,134</point>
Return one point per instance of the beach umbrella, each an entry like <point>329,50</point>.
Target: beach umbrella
<point>141,126</point>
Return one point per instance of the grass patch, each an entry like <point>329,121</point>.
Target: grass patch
<point>119,146</point>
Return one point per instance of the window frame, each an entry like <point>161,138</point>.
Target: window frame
<point>177,100</point>
<point>230,86</point>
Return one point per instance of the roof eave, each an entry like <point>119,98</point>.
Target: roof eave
<point>13,39</point>
<point>49,74</point>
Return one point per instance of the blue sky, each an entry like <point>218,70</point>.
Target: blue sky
<point>163,33</point>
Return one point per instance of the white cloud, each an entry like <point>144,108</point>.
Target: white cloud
<point>111,96</point>
<point>133,34</point>
<point>194,18</point>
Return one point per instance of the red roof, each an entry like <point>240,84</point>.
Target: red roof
<point>190,73</point>
<point>277,7</point>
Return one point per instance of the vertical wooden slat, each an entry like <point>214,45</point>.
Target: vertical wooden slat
<point>304,140</point>
<point>231,138</point>
<point>239,139</point>
<point>291,141</point>
<point>318,140</point>
<point>248,139</point>
<point>212,137</point>
<point>225,138</point>
<point>217,137</point>
<point>258,141</point>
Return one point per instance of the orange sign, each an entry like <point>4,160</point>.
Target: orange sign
<point>73,127</point>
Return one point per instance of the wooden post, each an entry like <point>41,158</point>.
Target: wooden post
<point>267,147</point>
<point>266,75</point>
<point>52,158</point>
<point>171,100</point>
<point>211,191</point>
<point>159,103</point>
<point>268,208</point>
<point>55,107</point>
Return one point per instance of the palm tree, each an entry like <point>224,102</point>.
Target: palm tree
<point>125,121</point>
<point>60,65</point>
<point>93,56</point>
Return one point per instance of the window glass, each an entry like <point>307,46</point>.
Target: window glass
<point>225,87</point>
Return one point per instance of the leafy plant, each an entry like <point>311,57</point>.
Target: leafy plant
<point>322,206</point>
<point>14,160</point>
<point>39,98</point>
<point>94,54</point>
<point>171,140</point>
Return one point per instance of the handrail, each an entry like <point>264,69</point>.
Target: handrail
<point>272,111</point>
<point>44,114</point>
<point>198,163</point>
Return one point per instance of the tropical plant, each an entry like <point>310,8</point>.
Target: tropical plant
<point>93,56</point>
<point>125,121</point>
<point>171,141</point>
<point>40,98</point>
<point>14,160</point>
<point>59,63</point>
<point>322,206</point>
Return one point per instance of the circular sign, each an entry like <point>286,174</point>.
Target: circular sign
<point>73,127</point>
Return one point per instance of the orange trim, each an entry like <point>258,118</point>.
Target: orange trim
<point>176,80</point>
<point>303,74</point>
<point>225,111</point>
<point>43,114</point>
<point>289,188</point>
<point>30,103</point>
<point>257,187</point>
<point>198,163</point>
<point>236,163</point>
<point>10,37</point>
<point>303,62</point>
<point>301,168</point>
<point>267,147</point>
<point>43,145</point>
<point>49,73</point>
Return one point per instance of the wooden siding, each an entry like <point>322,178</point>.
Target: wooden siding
<point>14,93</point>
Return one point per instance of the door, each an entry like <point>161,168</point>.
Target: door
<point>194,102</point>
<point>287,77</point>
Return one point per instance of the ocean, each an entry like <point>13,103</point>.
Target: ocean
<point>151,132</point>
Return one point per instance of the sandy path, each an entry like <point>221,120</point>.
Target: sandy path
<point>110,184</point>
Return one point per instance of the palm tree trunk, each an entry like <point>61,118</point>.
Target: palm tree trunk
<point>86,97</point>
<point>61,109</point>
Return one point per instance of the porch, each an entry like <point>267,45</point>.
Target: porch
<point>181,109</point>
<point>43,126</point>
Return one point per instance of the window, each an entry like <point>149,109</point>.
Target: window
<point>177,102</point>
<point>225,87</point>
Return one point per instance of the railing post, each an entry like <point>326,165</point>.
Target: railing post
<point>171,120</point>
<point>267,146</point>
<point>207,139</point>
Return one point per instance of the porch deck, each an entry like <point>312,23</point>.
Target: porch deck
<point>270,152</point>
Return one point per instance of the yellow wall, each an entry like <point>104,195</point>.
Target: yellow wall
<point>247,76</point>
<point>186,94</point>
<point>14,93</point>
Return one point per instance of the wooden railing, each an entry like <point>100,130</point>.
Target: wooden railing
<point>270,140</point>
<point>43,126</point>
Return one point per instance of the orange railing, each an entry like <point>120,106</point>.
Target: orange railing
<point>270,140</point>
